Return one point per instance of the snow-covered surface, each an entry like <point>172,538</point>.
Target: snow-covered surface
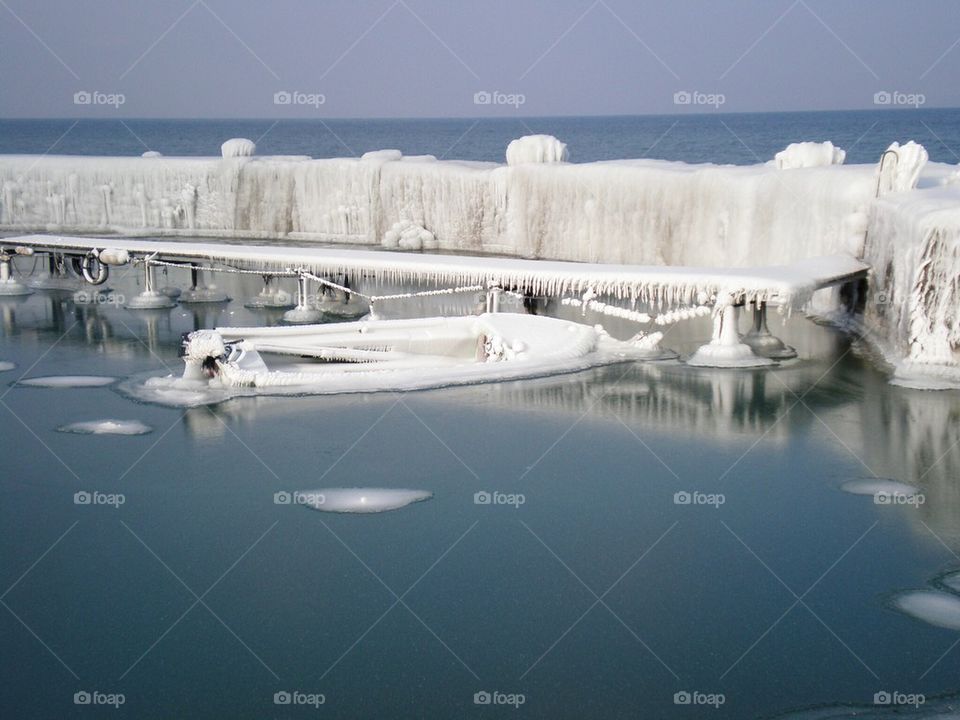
<point>107,427</point>
<point>809,155</point>
<point>68,381</point>
<point>536,149</point>
<point>663,285</point>
<point>361,500</point>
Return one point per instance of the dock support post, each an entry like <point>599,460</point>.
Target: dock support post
<point>725,350</point>
<point>199,291</point>
<point>305,311</point>
<point>493,299</point>
<point>761,341</point>
<point>150,298</point>
<point>8,286</point>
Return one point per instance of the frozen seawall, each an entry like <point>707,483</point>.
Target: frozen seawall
<point>802,204</point>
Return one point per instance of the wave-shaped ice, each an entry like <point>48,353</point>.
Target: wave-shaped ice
<point>107,427</point>
<point>68,381</point>
<point>407,235</point>
<point>536,149</point>
<point>6,366</point>
<point>901,172</point>
<point>361,500</point>
<point>238,147</point>
<point>879,487</point>
<point>931,606</point>
<point>808,155</point>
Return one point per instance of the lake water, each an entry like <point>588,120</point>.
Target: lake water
<point>604,594</point>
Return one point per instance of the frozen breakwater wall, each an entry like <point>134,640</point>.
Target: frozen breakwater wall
<point>803,203</point>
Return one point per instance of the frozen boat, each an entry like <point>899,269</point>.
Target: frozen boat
<point>376,355</point>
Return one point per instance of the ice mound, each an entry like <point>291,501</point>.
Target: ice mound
<point>152,154</point>
<point>407,235</point>
<point>107,427</point>
<point>68,381</point>
<point>361,500</point>
<point>6,366</point>
<point>238,147</point>
<point>382,156</point>
<point>536,149</point>
<point>951,580</point>
<point>808,155</point>
<point>880,488</point>
<point>902,172</point>
<point>930,606</point>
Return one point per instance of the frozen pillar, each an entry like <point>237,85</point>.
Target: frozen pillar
<point>725,349</point>
<point>305,312</point>
<point>760,339</point>
<point>8,286</point>
<point>150,298</point>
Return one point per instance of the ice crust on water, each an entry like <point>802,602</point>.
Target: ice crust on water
<point>107,427</point>
<point>809,155</point>
<point>238,147</point>
<point>536,149</point>
<point>931,606</point>
<point>6,366</point>
<point>68,381</point>
<point>886,488</point>
<point>361,500</point>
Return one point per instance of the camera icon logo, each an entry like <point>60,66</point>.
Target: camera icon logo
<point>482,698</point>
<point>882,698</point>
<point>482,498</point>
<point>82,498</point>
<point>882,297</point>
<point>82,97</point>
<point>682,97</point>
<point>482,98</point>
<point>882,98</point>
<point>882,498</point>
<point>82,698</point>
<point>682,498</point>
<point>282,698</point>
<point>282,98</point>
<point>682,698</point>
<point>282,498</point>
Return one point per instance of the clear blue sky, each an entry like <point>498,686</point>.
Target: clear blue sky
<point>429,58</point>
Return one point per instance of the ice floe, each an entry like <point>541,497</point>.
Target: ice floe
<point>880,488</point>
<point>931,606</point>
<point>361,500</point>
<point>68,381</point>
<point>107,427</point>
<point>6,366</point>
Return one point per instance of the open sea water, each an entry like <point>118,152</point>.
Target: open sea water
<point>661,541</point>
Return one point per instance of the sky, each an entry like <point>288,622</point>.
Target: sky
<point>451,58</point>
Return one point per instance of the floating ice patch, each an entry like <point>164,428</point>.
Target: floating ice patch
<point>361,500</point>
<point>107,427</point>
<point>6,366</point>
<point>880,488</point>
<point>931,606</point>
<point>68,381</point>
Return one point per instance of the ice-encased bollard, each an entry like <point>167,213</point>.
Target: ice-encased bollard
<point>726,350</point>
<point>270,298</point>
<point>305,312</point>
<point>761,341</point>
<point>200,292</point>
<point>8,286</point>
<point>150,298</point>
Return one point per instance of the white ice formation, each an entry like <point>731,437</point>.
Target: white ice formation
<point>107,427</point>
<point>536,149</point>
<point>644,212</point>
<point>238,147</point>
<point>809,155</point>
<point>6,366</point>
<point>931,606</point>
<point>360,500</point>
<point>68,381</point>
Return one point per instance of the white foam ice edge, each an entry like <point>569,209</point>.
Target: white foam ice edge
<point>68,381</point>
